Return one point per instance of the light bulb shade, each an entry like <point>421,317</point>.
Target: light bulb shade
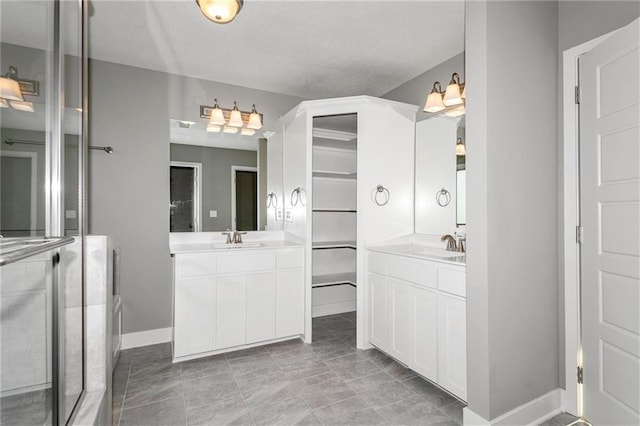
<point>10,89</point>
<point>220,11</point>
<point>247,132</point>
<point>235,119</point>
<point>228,129</point>
<point>22,106</point>
<point>434,102</point>
<point>217,117</point>
<point>213,128</point>
<point>464,92</point>
<point>452,95</point>
<point>254,120</point>
<point>460,148</point>
<point>3,103</point>
<point>455,112</point>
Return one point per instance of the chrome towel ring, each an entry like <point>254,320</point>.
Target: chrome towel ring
<point>443,197</point>
<point>272,200</point>
<point>381,196</point>
<point>296,196</point>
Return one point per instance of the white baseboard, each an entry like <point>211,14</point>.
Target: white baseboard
<point>147,337</point>
<point>533,412</point>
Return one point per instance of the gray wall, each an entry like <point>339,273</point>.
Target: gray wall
<point>512,296</point>
<point>415,91</point>
<point>216,179</point>
<point>130,110</point>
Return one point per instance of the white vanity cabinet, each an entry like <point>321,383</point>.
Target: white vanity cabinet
<point>233,298</point>
<point>417,315</point>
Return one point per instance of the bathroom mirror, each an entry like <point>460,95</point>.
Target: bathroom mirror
<point>439,175</point>
<point>221,181</point>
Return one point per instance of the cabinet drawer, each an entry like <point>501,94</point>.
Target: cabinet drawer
<point>246,262</point>
<point>377,263</point>
<point>413,271</point>
<point>452,281</point>
<point>194,264</point>
<point>290,258</point>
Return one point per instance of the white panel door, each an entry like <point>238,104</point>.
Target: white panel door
<point>195,316</point>
<point>231,311</point>
<point>261,304</point>
<point>289,303</point>
<point>379,314</point>
<point>401,319</point>
<point>610,216</point>
<point>425,332</point>
<point>452,344</point>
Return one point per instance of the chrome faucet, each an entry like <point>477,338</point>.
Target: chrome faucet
<point>451,242</point>
<point>230,236</point>
<point>237,237</point>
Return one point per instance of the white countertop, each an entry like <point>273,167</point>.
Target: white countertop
<point>202,247</point>
<point>418,251</point>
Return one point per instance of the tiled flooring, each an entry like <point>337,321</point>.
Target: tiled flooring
<point>328,382</point>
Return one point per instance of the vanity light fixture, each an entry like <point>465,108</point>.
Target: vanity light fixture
<point>13,89</point>
<point>222,119</point>
<point>460,148</point>
<point>434,100</point>
<point>220,11</point>
<point>451,101</point>
<point>452,95</point>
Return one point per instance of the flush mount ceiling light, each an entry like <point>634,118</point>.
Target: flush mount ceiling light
<point>222,119</point>
<point>451,101</point>
<point>220,11</point>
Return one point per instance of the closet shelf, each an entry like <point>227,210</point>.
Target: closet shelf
<point>333,279</point>
<point>321,210</point>
<point>334,175</point>
<point>319,245</point>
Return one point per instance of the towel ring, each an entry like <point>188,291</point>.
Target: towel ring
<point>385,193</point>
<point>443,197</point>
<point>296,197</point>
<point>272,200</point>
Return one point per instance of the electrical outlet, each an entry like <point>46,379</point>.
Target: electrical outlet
<point>70,214</point>
<point>213,213</point>
<point>288,215</point>
<point>279,215</point>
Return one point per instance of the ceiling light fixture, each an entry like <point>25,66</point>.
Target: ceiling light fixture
<point>233,118</point>
<point>451,101</point>
<point>227,129</point>
<point>220,11</point>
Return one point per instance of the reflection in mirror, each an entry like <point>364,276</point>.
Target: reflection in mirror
<point>439,185</point>
<point>461,175</point>
<point>220,181</point>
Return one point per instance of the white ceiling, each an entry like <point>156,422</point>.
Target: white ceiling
<point>310,49</point>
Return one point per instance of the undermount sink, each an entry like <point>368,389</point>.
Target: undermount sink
<point>235,245</point>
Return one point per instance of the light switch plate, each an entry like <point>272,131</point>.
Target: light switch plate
<point>70,214</point>
<point>213,213</point>
<point>279,215</point>
<point>288,215</point>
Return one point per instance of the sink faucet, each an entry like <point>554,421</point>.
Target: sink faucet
<point>230,236</point>
<point>451,242</point>
<point>237,237</point>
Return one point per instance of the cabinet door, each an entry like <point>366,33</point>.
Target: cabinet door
<point>289,303</point>
<point>261,303</point>
<point>231,311</point>
<point>379,330</point>
<point>401,320</point>
<point>194,315</point>
<point>452,344</point>
<point>425,332</point>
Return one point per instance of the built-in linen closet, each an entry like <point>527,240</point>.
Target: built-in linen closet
<point>348,183</point>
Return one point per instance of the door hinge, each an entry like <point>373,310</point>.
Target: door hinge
<point>578,95</point>
<point>580,375</point>
<point>579,234</point>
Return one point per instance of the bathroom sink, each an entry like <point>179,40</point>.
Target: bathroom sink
<point>236,245</point>
<point>434,252</point>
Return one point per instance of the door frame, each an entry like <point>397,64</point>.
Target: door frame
<point>235,169</point>
<point>34,184</point>
<point>570,250</point>
<point>197,192</point>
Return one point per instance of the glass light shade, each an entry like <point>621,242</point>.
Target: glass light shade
<point>4,104</point>
<point>213,128</point>
<point>254,120</point>
<point>455,112</point>
<point>235,120</point>
<point>228,129</point>
<point>10,89</point>
<point>464,92</point>
<point>452,95</point>
<point>220,11</point>
<point>22,106</point>
<point>460,148</point>
<point>247,132</point>
<point>434,103</point>
<point>217,117</point>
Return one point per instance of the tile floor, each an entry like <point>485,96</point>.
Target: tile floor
<point>328,382</point>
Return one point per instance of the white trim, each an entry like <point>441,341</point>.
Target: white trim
<point>197,183</point>
<point>570,250</point>
<point>34,183</point>
<point>333,134</point>
<point>147,337</point>
<point>234,169</point>
<point>533,412</point>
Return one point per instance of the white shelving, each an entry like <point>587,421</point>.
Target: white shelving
<point>320,245</point>
<point>333,279</point>
<point>322,174</point>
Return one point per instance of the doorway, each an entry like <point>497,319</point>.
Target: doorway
<point>244,198</point>
<point>185,194</point>
<point>602,207</point>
